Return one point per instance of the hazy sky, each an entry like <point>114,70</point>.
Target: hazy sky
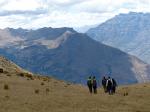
<point>60,13</point>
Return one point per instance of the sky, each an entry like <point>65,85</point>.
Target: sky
<point>64,13</point>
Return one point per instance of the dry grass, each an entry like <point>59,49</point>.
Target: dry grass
<point>57,96</point>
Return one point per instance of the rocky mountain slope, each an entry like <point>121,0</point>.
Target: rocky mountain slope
<point>20,93</point>
<point>128,32</point>
<point>72,56</point>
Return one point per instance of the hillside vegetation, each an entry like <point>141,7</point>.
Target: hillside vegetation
<point>19,93</point>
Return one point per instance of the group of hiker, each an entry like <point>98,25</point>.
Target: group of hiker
<point>109,85</point>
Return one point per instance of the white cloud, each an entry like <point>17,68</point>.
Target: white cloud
<point>59,13</point>
<point>21,5</point>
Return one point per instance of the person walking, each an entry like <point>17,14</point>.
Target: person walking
<point>94,84</point>
<point>104,80</point>
<point>89,84</point>
<point>114,85</point>
<point>109,85</point>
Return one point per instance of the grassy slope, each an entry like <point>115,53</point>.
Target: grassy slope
<point>63,97</point>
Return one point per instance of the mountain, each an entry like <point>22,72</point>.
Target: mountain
<point>128,32</point>
<point>72,56</point>
<point>45,94</point>
<point>85,28</point>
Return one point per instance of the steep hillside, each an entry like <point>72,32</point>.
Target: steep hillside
<point>20,93</point>
<point>128,32</point>
<point>74,56</point>
<point>7,66</point>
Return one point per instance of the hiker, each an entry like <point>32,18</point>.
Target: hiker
<point>109,84</point>
<point>104,80</point>
<point>89,84</point>
<point>114,85</point>
<point>94,84</point>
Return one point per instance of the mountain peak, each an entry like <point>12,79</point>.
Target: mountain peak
<point>54,43</point>
<point>128,32</point>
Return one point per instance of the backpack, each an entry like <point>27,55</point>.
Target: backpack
<point>109,83</point>
<point>89,82</point>
<point>104,82</point>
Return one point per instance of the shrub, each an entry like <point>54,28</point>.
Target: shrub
<point>68,84</point>
<point>65,86</point>
<point>42,83</point>
<point>44,79</point>
<point>7,97</point>
<point>29,75</point>
<point>6,87</point>
<point>47,90</point>
<point>1,70</point>
<point>21,74</point>
<point>126,94</point>
<point>37,91</point>
<point>9,75</point>
<point>32,78</point>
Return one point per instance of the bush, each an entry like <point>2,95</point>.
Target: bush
<point>68,84</point>
<point>44,79</point>
<point>126,94</point>
<point>21,74</point>
<point>1,70</point>
<point>37,91</point>
<point>47,90</point>
<point>29,75</point>
<point>6,87</point>
<point>9,75</point>
<point>42,83</point>
<point>7,96</point>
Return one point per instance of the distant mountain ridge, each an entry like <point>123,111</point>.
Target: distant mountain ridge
<point>48,32</point>
<point>128,32</point>
<point>72,56</point>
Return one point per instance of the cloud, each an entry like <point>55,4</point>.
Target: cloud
<point>3,2</point>
<point>59,13</point>
<point>22,5</point>
<point>65,2</point>
<point>20,12</point>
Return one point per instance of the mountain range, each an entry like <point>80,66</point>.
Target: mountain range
<point>128,32</point>
<point>68,55</point>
